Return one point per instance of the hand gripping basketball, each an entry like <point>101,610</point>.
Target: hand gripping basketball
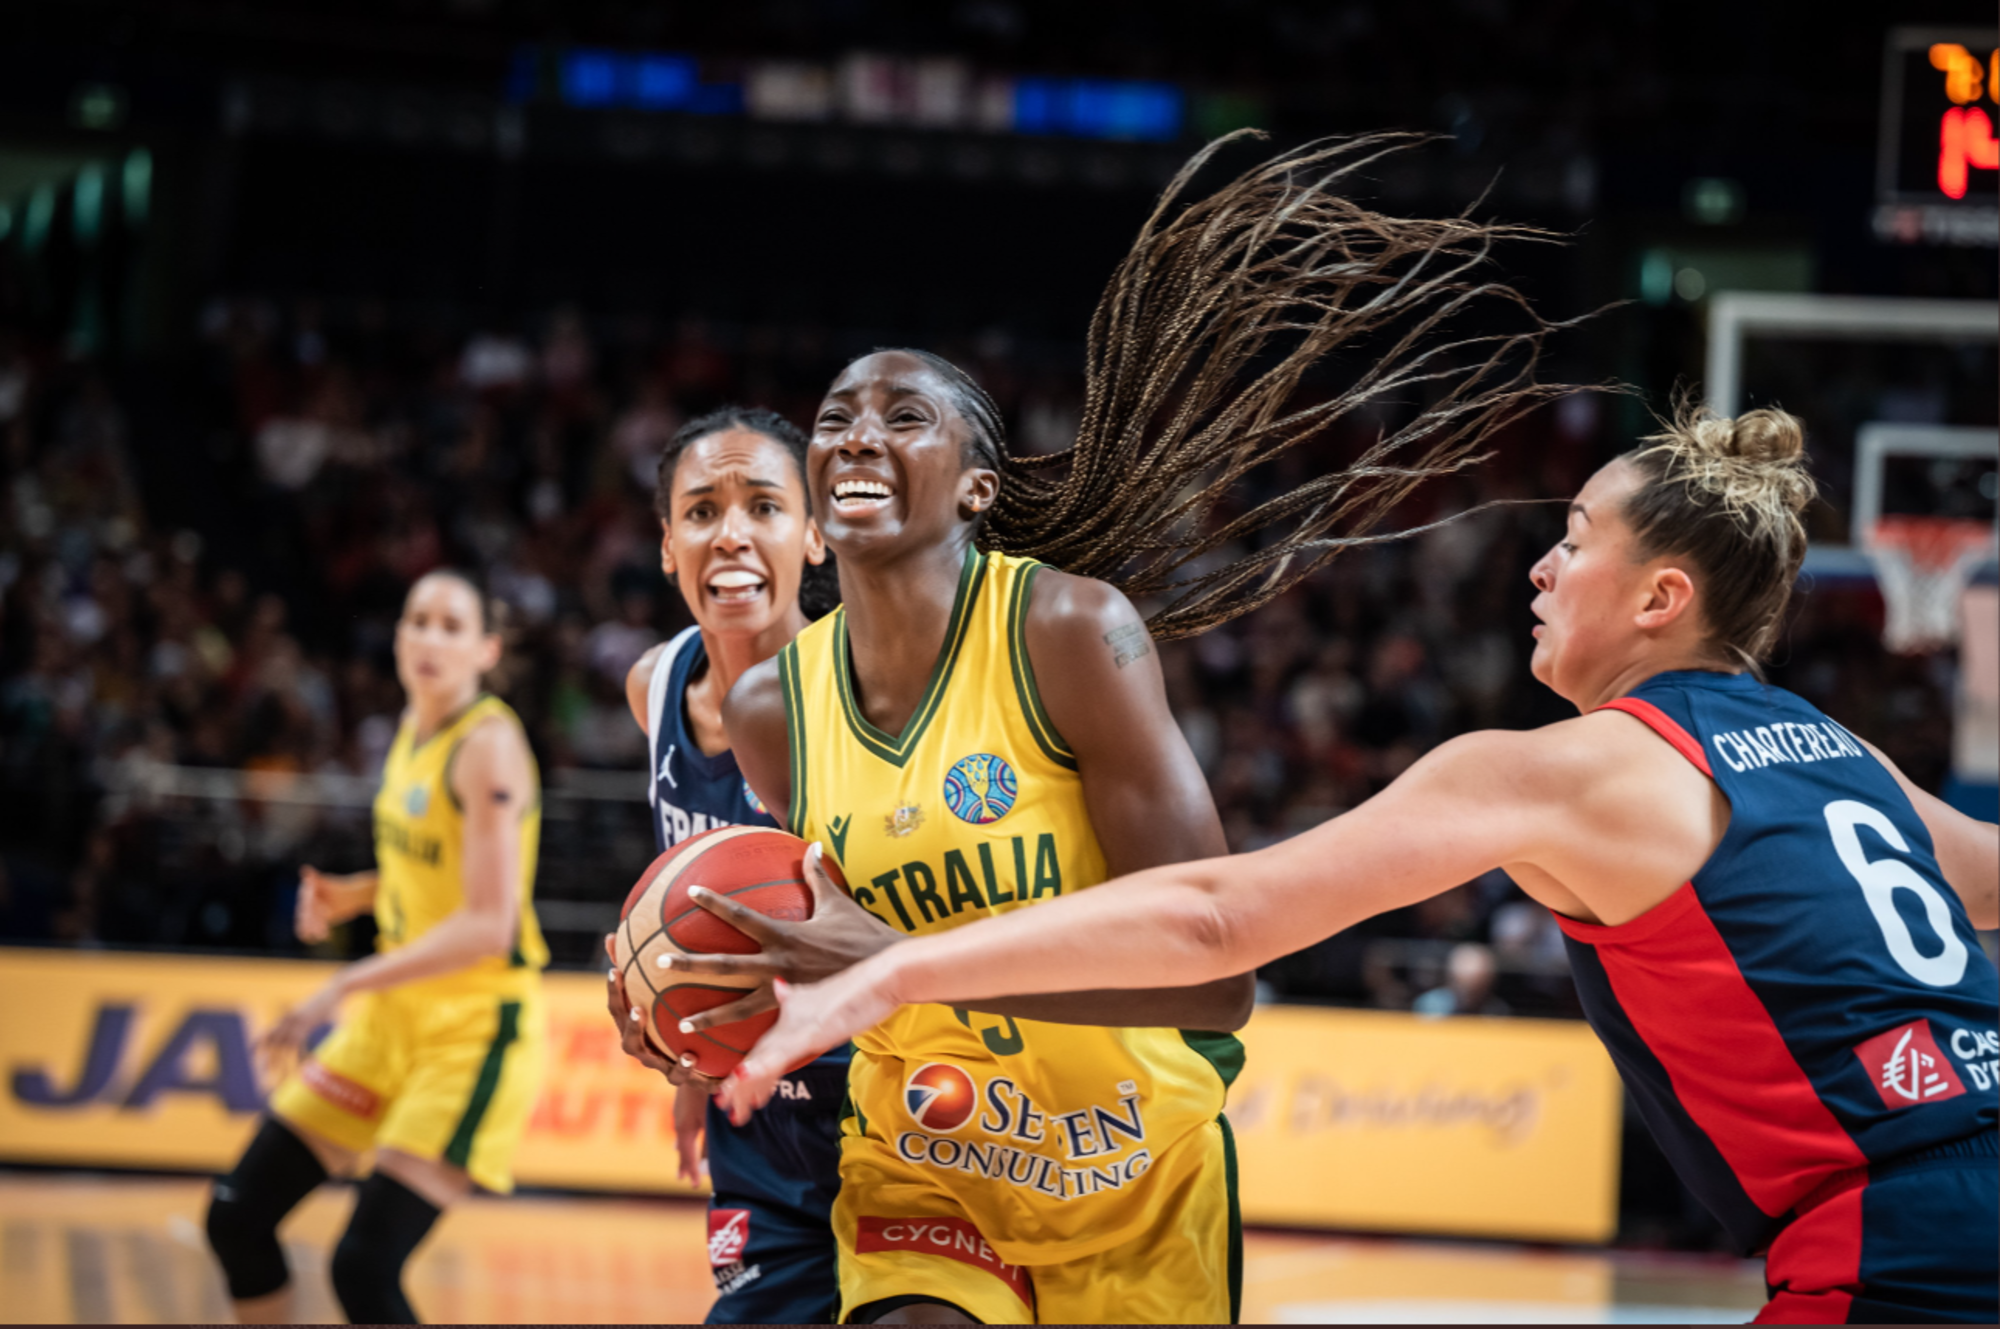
<point>688,948</point>
<point>811,1019</point>
<point>838,933</point>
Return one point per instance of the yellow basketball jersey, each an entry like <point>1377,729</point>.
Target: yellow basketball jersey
<point>419,851</point>
<point>1043,1133</point>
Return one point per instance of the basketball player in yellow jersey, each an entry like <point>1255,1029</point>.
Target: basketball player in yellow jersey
<point>974,734</point>
<point>437,1058</point>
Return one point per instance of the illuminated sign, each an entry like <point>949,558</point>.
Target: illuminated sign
<point>1938,169</point>
<point>930,92</point>
<point>1941,97</point>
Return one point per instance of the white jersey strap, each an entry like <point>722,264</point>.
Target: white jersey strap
<point>656,696</point>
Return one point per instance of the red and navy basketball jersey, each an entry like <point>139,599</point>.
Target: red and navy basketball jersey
<point>1815,1000</point>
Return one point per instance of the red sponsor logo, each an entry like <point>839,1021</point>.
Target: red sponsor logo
<point>728,1234</point>
<point>954,1238</point>
<point>343,1093</point>
<point>1907,1067</point>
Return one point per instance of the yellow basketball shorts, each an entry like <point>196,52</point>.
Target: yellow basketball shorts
<point>450,1077</point>
<point>902,1237</point>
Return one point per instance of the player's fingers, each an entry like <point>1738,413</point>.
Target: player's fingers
<point>740,966</point>
<point>282,1036</point>
<point>611,947</point>
<point>745,1090</point>
<point>739,916</point>
<point>756,1003</point>
<point>817,879</point>
<point>685,1074</point>
<point>690,1114</point>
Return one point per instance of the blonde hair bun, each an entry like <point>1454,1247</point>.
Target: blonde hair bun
<point>1731,495</point>
<point>1754,466</point>
<point>1767,435</point>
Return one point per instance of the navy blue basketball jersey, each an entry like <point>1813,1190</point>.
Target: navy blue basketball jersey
<point>691,791</point>
<point>770,1242</point>
<point>1815,1001</point>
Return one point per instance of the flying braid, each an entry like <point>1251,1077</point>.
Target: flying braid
<point>1195,359</point>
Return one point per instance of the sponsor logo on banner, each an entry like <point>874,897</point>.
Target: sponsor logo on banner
<point>728,1236</point>
<point>953,1238</point>
<point>1358,1119</point>
<point>940,1096</point>
<point>1907,1067</point>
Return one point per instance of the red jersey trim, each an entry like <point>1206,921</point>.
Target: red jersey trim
<point>1666,727</point>
<point>1735,1076</point>
<point>1664,914</point>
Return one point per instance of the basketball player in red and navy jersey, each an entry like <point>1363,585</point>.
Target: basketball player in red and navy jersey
<point>1770,926</point>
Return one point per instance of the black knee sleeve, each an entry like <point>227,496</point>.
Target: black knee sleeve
<point>274,1174</point>
<point>389,1222</point>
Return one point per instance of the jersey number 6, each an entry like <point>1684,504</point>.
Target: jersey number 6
<point>1881,878</point>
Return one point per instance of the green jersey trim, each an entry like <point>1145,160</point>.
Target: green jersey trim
<point>1222,1051</point>
<point>795,734</point>
<point>896,749</point>
<point>1046,736</point>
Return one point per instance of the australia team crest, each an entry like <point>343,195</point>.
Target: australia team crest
<point>980,788</point>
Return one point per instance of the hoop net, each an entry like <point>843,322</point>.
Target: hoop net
<point>1922,565</point>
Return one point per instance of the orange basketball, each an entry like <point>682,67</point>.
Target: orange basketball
<point>755,866</point>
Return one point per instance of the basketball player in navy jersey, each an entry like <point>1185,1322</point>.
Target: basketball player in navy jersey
<point>739,542</point>
<point>1770,927</point>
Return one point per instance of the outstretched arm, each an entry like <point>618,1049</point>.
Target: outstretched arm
<point>1148,803</point>
<point>1468,806</point>
<point>1100,682</point>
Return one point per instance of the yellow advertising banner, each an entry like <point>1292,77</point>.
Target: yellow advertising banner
<point>145,1061</point>
<point>1343,1118</point>
<point>1389,1122</point>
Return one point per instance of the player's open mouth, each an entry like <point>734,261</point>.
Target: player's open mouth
<point>854,497</point>
<point>735,586</point>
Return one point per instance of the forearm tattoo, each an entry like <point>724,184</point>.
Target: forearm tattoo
<point>1128,643</point>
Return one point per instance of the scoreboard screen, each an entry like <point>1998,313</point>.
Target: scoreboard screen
<point>1940,112</point>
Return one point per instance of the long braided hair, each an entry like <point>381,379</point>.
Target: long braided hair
<point>1196,355</point>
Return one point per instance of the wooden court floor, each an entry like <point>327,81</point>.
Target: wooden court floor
<point>108,1249</point>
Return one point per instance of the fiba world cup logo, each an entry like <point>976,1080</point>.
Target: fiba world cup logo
<point>756,803</point>
<point>980,788</point>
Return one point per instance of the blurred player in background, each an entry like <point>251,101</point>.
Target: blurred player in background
<point>1770,926</point>
<point>738,540</point>
<point>436,1062</point>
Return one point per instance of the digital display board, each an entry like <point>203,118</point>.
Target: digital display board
<point>1940,104</point>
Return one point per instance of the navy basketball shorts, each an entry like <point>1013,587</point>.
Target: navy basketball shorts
<point>770,1222</point>
<point>1913,1240</point>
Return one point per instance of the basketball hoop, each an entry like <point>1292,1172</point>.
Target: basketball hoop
<point>1922,564</point>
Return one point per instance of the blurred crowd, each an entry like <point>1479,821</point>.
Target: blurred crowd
<point>349,449</point>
